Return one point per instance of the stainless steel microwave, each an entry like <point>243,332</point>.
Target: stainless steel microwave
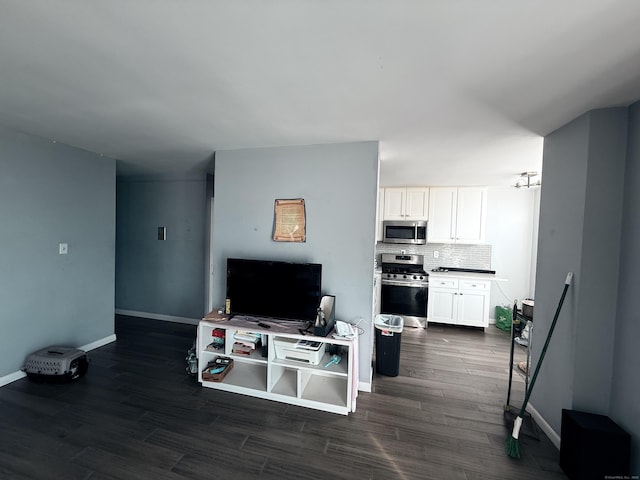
<point>405,231</point>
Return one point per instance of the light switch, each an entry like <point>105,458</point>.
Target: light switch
<point>162,233</point>
<point>63,248</point>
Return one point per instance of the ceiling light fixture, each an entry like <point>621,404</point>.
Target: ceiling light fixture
<point>527,180</point>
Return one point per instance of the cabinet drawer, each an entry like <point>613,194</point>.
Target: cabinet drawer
<point>443,283</point>
<point>475,284</point>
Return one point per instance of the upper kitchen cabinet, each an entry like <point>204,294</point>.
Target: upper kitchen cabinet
<point>457,214</point>
<point>406,203</point>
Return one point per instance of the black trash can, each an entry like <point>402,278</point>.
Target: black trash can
<point>388,334</point>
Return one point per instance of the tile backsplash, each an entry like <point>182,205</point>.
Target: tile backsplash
<point>449,255</point>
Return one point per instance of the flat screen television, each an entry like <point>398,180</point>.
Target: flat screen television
<point>274,289</point>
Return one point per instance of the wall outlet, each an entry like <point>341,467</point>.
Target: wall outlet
<point>63,248</point>
<point>436,254</point>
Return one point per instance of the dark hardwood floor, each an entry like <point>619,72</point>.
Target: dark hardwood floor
<point>138,415</point>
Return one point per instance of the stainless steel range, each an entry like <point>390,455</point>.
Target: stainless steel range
<point>405,288</point>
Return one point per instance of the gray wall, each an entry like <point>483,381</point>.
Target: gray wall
<point>625,391</point>
<point>580,230</point>
<point>162,277</point>
<point>339,185</point>
<point>51,193</point>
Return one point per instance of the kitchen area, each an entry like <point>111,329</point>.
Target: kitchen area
<point>443,256</point>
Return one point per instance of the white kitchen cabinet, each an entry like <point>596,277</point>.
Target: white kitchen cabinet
<point>459,300</point>
<point>442,303</point>
<point>457,214</point>
<point>406,203</point>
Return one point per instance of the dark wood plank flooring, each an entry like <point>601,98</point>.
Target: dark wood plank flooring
<point>138,415</point>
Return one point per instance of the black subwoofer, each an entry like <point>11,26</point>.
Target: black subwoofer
<point>593,447</point>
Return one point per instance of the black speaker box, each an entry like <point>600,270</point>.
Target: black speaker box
<point>593,447</point>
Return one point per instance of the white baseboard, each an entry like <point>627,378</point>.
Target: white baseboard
<point>98,343</point>
<point>544,426</point>
<point>158,316</point>
<point>364,386</point>
<point>12,377</point>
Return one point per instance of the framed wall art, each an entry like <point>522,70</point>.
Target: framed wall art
<point>289,220</point>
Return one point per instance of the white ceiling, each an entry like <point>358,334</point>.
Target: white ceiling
<point>455,91</point>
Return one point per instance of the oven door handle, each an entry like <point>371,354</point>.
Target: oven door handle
<point>400,283</point>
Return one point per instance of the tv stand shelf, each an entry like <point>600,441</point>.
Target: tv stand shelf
<point>329,387</point>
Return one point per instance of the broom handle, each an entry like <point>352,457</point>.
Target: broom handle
<point>514,316</point>
<point>546,344</point>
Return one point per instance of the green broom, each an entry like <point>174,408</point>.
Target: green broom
<point>513,445</point>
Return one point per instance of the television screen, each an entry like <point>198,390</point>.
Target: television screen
<point>275,289</point>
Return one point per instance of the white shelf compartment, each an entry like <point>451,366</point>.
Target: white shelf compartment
<point>252,376</point>
<point>284,381</point>
<point>323,389</point>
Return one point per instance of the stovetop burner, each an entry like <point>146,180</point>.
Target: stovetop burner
<point>408,268</point>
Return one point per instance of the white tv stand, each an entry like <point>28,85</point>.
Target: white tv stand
<point>328,387</point>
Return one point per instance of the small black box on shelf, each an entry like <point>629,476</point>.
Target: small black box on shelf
<point>326,318</point>
<point>593,447</point>
<point>264,347</point>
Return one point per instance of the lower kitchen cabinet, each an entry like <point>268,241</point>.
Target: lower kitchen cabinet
<point>458,300</point>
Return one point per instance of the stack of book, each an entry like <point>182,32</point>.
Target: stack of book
<point>245,342</point>
<point>218,340</point>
